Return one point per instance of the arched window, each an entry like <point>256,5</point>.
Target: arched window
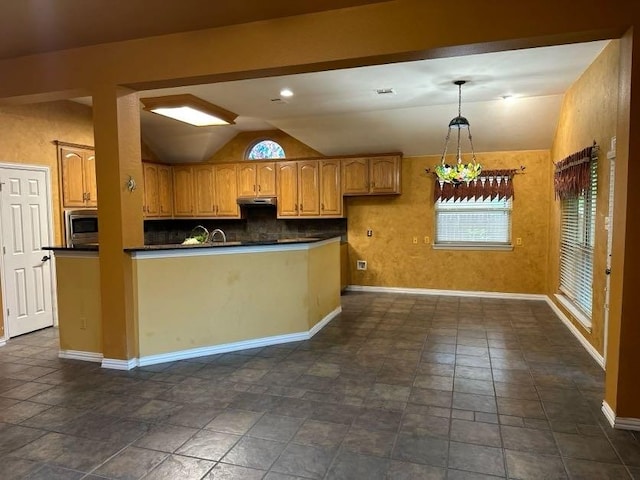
<point>265,149</point>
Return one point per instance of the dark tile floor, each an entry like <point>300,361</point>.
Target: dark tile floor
<point>397,387</point>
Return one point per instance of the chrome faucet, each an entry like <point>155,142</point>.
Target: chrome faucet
<point>213,234</point>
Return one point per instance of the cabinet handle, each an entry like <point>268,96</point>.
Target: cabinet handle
<point>84,196</point>
<point>301,208</point>
<point>258,187</point>
<point>88,196</point>
<point>296,207</point>
<point>322,206</point>
<point>373,184</point>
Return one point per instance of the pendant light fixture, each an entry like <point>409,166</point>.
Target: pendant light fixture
<point>458,172</point>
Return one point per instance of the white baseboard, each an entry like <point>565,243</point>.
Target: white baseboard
<point>236,346</point>
<point>622,423</point>
<point>79,355</point>
<point>512,296</point>
<point>451,293</point>
<point>3,342</point>
<point>576,333</point>
<point>322,323</point>
<point>117,364</point>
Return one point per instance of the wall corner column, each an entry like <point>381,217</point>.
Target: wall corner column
<point>116,116</point>
<point>622,389</point>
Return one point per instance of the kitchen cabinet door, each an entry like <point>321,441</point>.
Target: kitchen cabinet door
<point>287,186</point>
<point>72,170</point>
<point>308,188</point>
<point>151,207</point>
<point>384,174</point>
<point>247,186</point>
<point>355,176</point>
<point>183,191</point>
<point>330,193</point>
<point>165,191</point>
<point>226,192</point>
<point>90,183</point>
<point>266,179</point>
<point>77,176</point>
<point>204,189</point>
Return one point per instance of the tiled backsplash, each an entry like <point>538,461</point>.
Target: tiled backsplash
<point>260,223</point>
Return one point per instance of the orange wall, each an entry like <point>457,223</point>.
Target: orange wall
<point>394,261</point>
<point>588,113</point>
<point>236,149</point>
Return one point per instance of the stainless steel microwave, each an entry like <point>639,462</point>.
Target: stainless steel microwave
<point>81,227</point>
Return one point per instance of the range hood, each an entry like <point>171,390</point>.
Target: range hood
<point>257,201</point>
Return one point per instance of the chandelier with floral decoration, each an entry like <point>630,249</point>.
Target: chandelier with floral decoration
<point>458,172</point>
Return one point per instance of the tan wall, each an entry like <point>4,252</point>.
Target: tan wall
<point>80,324</point>
<point>236,149</point>
<point>394,261</point>
<point>323,279</point>
<point>588,114</point>
<point>199,301</point>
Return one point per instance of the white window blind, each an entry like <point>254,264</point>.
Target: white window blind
<point>473,222</point>
<point>577,237</point>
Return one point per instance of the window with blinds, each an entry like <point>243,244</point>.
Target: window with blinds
<point>577,238</point>
<point>473,222</point>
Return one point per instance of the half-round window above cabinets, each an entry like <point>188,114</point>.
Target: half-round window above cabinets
<point>265,149</point>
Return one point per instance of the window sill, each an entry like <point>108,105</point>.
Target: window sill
<point>471,246</point>
<point>580,317</point>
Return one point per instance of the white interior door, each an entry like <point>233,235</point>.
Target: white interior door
<point>26,268</point>
<point>611,155</point>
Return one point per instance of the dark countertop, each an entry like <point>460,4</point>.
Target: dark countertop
<point>174,246</point>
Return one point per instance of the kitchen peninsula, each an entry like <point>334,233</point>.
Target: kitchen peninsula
<point>204,299</point>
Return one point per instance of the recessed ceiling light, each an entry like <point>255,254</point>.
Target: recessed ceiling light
<point>189,109</point>
<point>385,91</point>
<point>285,92</point>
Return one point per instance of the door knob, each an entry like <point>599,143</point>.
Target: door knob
<point>45,258</point>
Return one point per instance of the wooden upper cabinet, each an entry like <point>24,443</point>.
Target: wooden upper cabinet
<point>204,190</point>
<point>165,191</point>
<point>330,193</point>
<point>247,186</point>
<point>78,177</point>
<point>266,179</point>
<point>355,176</point>
<point>226,192</point>
<point>384,174</point>
<point>151,207</point>
<point>183,191</point>
<point>287,186</point>
<point>256,179</point>
<point>90,183</point>
<point>371,176</point>
<point>158,190</point>
<point>308,188</point>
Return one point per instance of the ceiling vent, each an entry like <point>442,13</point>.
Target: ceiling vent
<point>385,91</point>
<point>278,100</point>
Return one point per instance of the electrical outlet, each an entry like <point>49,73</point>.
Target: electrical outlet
<point>415,240</point>
<point>519,241</point>
<point>369,233</point>
<point>426,239</point>
<point>361,264</point>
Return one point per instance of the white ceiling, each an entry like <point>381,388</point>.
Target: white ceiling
<point>339,112</point>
